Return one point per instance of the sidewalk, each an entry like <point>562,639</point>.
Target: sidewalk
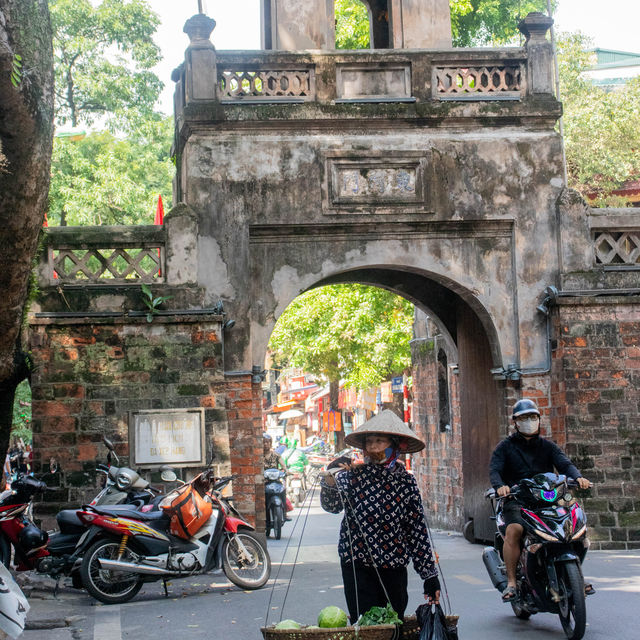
<point>48,616</point>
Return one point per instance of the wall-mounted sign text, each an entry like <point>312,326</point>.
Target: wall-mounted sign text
<point>167,437</point>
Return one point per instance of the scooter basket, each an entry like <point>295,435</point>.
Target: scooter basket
<point>377,632</point>
<point>188,511</point>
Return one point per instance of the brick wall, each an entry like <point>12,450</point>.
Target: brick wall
<point>596,395</point>
<point>438,468</point>
<point>89,375</point>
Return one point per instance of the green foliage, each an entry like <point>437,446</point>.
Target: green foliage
<point>353,332</point>
<point>152,303</point>
<point>352,25</point>
<point>483,22</point>
<point>103,56</point>
<point>601,128</point>
<point>379,615</point>
<point>103,179</point>
<point>16,70</point>
<point>21,425</point>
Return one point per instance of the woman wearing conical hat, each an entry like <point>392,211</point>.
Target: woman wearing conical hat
<point>384,526</point>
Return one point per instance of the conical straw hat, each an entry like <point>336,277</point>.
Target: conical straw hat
<point>389,424</point>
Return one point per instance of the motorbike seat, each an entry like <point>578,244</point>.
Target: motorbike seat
<point>129,511</point>
<point>68,521</point>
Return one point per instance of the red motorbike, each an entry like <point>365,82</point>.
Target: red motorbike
<point>196,530</point>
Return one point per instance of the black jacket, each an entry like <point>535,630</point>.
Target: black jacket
<point>516,458</point>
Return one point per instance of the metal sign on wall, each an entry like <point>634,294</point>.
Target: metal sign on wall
<point>167,436</point>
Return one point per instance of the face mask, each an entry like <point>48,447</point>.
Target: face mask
<point>528,427</point>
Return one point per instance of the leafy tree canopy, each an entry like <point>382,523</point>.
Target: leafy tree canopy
<point>601,128</point>
<point>353,332</point>
<point>103,56</point>
<point>490,22</point>
<point>103,179</point>
<point>352,25</point>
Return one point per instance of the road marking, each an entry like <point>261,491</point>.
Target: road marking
<point>107,623</point>
<point>469,579</point>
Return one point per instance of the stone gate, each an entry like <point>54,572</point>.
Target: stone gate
<point>436,173</point>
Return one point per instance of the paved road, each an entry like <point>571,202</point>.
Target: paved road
<point>210,607</point>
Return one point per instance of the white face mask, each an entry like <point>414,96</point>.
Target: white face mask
<point>528,426</point>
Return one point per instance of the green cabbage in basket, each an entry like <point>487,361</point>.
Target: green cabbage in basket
<point>331,617</point>
<point>288,624</point>
<point>379,615</point>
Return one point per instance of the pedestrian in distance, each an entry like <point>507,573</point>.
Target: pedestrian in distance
<point>383,527</point>
<point>523,455</point>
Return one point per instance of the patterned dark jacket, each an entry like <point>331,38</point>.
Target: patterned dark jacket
<point>384,511</point>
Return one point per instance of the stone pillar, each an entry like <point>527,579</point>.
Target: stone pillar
<point>181,260</point>
<point>540,53</point>
<point>200,59</point>
<point>421,24</point>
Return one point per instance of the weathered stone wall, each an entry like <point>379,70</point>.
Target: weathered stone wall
<point>596,388</point>
<point>90,373</point>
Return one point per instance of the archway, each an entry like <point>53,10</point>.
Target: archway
<point>453,470</point>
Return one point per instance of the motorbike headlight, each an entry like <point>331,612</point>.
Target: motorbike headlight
<point>579,533</point>
<point>546,536</point>
<point>272,474</point>
<point>122,481</point>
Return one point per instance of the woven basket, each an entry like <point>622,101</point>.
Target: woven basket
<point>410,630</point>
<point>377,632</point>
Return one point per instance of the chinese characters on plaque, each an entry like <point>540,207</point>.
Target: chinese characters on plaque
<point>168,437</point>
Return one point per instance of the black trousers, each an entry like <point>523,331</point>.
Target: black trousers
<point>369,590</point>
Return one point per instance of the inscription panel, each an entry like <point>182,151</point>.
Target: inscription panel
<point>373,184</point>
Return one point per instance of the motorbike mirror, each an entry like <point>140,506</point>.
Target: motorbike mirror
<point>168,475</point>
<point>108,443</point>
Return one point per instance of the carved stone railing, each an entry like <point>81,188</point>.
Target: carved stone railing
<point>617,248</point>
<point>103,255</point>
<point>293,85</point>
<point>502,82</point>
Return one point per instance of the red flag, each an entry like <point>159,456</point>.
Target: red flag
<point>159,219</point>
<point>46,221</point>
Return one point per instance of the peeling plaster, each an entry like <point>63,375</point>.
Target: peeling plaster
<point>212,271</point>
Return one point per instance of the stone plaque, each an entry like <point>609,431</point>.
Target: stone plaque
<point>172,436</point>
<point>376,184</point>
<point>385,183</point>
<point>355,83</point>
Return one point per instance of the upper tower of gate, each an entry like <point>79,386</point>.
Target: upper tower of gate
<point>292,25</point>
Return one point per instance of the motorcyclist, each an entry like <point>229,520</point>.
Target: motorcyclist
<point>272,460</point>
<point>523,455</point>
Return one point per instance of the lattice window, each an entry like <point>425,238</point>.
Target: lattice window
<point>265,85</point>
<point>108,265</point>
<point>455,82</point>
<point>617,248</point>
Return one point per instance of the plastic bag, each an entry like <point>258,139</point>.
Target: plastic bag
<point>434,625</point>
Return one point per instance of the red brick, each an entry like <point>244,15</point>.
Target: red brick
<point>87,452</point>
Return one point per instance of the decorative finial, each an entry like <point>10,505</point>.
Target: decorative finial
<point>200,6</point>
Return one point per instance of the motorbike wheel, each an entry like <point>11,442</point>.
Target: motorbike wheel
<point>250,569</point>
<point>110,587</point>
<point>276,521</point>
<point>573,610</point>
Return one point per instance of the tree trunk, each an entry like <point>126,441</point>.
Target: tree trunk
<point>26,132</point>
<point>334,392</point>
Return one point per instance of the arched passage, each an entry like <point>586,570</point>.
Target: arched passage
<point>453,469</point>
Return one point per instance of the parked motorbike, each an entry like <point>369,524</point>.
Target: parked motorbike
<point>549,571</point>
<point>57,555</point>
<point>296,487</point>
<point>275,500</point>
<point>195,531</point>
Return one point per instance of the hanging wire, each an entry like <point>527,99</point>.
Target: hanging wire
<point>307,502</point>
